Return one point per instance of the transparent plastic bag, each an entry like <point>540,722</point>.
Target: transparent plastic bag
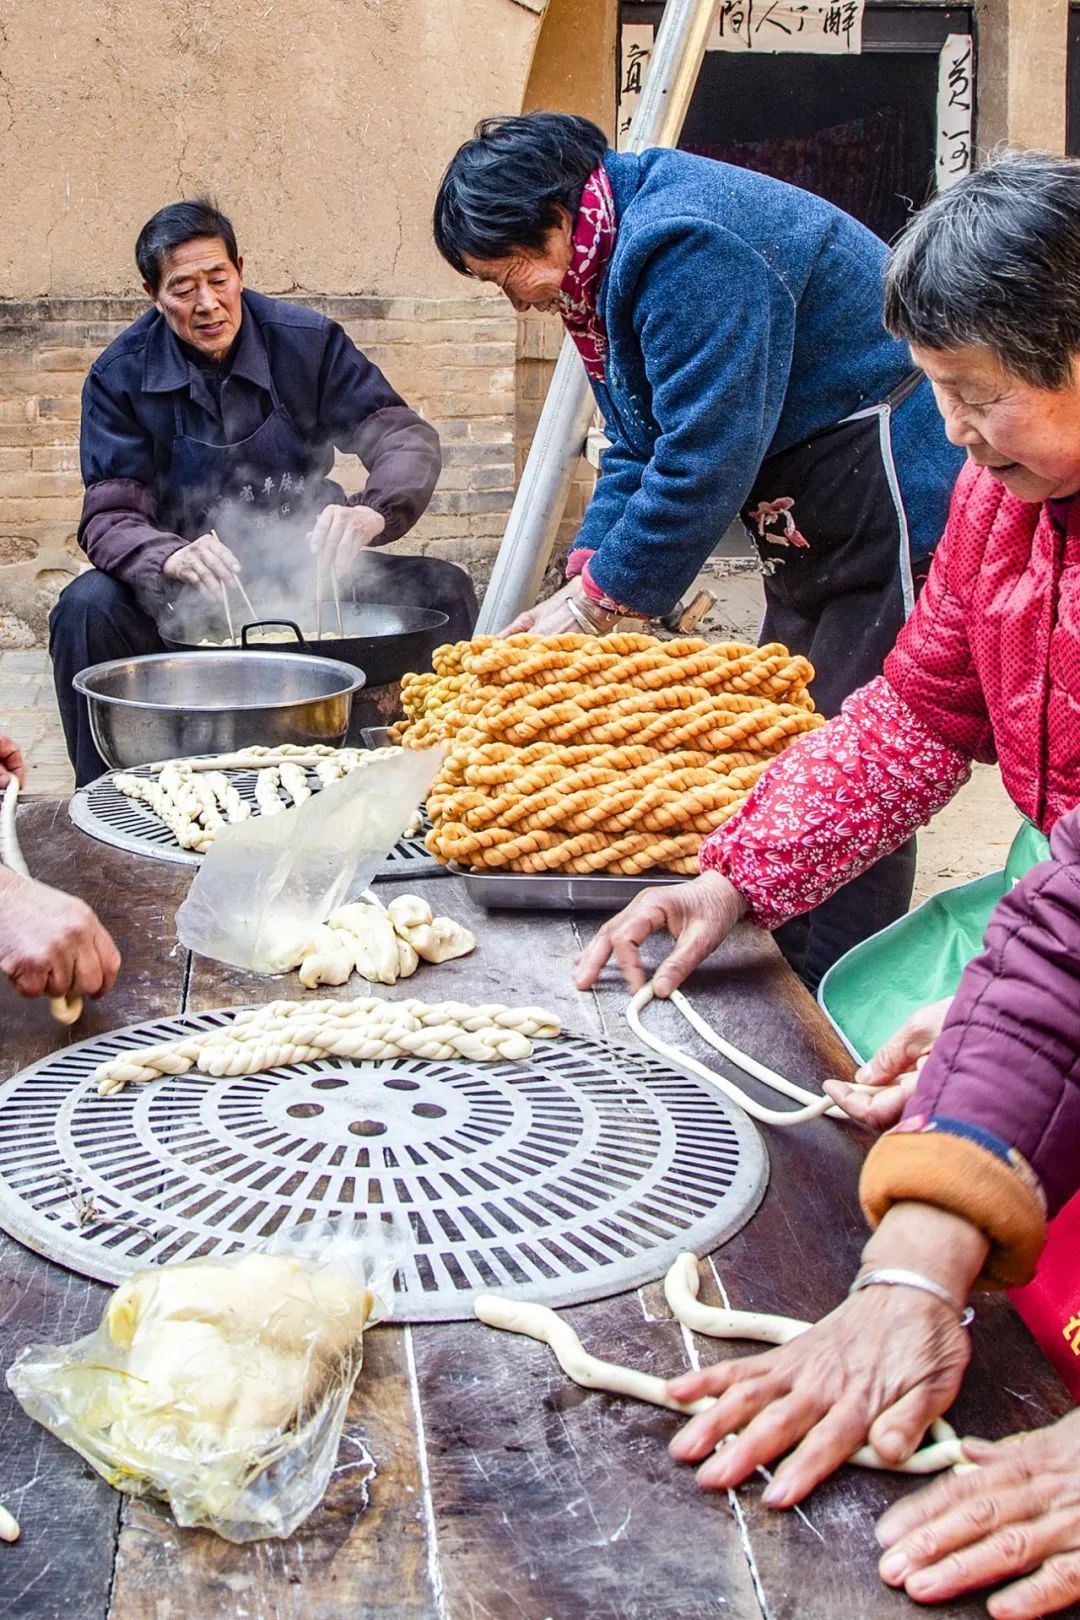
<point>265,884</point>
<point>221,1386</point>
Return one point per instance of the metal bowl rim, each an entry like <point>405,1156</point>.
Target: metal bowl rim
<point>351,671</point>
<point>380,635</point>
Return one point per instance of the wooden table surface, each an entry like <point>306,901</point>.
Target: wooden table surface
<point>502,1491</point>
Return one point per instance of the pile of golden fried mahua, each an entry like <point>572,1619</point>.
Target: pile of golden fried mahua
<point>598,754</point>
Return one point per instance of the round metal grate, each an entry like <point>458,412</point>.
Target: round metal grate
<point>577,1174</point>
<point>108,815</point>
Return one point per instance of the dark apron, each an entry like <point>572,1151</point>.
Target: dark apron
<point>827,518</point>
<point>267,482</point>
<point>243,489</point>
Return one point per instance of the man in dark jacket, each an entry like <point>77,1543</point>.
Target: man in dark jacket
<point>208,435</point>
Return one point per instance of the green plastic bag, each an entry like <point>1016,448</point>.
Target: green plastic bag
<point>919,958</point>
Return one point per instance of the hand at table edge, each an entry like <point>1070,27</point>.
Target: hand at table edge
<point>11,762</point>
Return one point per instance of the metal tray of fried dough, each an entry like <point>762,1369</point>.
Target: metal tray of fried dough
<point>556,891</point>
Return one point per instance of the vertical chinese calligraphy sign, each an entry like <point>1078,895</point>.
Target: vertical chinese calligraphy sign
<point>635,47</point>
<point>817,27</point>
<point>955,109</point>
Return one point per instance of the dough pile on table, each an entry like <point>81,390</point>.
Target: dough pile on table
<point>381,944</point>
<point>598,754</point>
<point>196,798</point>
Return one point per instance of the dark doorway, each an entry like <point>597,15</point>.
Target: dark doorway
<point>860,130</point>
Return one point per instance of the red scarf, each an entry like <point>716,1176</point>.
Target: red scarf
<point>594,239</point>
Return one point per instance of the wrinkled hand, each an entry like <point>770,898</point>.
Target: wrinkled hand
<point>882,1367</point>
<point>341,533</point>
<point>207,563</point>
<point>1017,1514</point>
<point>699,915</point>
<point>552,617</point>
<point>894,1067</point>
<point>52,944</point>
<point>11,762</point>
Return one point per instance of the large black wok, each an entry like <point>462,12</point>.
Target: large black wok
<point>385,641</point>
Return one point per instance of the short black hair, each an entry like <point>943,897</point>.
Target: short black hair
<point>994,262</point>
<point>179,223</point>
<point>503,189</point>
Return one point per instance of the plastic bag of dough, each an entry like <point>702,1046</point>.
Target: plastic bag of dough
<point>221,1386</point>
<point>266,884</point>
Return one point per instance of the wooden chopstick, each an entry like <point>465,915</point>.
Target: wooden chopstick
<point>228,613</point>
<point>337,601</point>
<point>318,596</point>
<point>249,604</point>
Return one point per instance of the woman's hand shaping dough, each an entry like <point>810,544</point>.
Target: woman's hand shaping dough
<point>52,944</point>
<point>698,915</point>
<point>1017,1514</point>
<point>11,762</point>
<point>894,1068</point>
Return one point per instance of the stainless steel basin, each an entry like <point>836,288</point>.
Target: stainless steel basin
<point>167,705</point>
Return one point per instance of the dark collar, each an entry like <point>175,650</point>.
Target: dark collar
<point>166,367</point>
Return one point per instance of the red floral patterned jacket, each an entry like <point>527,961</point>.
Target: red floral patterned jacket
<point>987,667</point>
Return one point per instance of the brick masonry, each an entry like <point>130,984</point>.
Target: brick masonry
<point>461,363</point>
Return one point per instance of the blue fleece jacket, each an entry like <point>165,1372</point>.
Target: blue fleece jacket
<point>743,315</point>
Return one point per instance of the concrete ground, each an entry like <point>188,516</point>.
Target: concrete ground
<point>969,837</point>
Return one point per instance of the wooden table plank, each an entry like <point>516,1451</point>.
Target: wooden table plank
<point>367,1562</point>
<point>63,1564</point>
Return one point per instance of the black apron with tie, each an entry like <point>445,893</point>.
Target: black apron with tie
<point>827,518</point>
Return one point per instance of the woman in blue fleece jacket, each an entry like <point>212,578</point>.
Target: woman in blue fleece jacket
<point>731,328</point>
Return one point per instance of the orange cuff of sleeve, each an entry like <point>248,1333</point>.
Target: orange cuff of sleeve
<point>950,1172</point>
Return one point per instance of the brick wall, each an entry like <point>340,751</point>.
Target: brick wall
<point>452,359</point>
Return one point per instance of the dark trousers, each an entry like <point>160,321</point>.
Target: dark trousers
<point>97,619</point>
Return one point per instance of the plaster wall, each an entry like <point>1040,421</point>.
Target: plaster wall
<point>1023,62</point>
<point>322,126</point>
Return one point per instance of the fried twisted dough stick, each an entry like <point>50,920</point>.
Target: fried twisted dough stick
<point>649,799</point>
<point>551,852</point>
<point>285,1032</point>
<point>769,671</point>
<point>680,1288</point>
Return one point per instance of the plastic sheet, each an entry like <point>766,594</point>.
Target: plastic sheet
<point>266,884</point>
<point>221,1386</point>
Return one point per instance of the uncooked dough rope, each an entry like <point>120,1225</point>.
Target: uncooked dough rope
<point>813,1106</point>
<point>65,1009</point>
<point>540,1323</point>
<point>298,1032</point>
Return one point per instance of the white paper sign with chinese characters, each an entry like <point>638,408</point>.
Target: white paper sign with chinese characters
<point>636,43</point>
<point>820,27</point>
<point>955,109</point>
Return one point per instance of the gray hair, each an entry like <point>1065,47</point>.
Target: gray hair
<point>994,263</point>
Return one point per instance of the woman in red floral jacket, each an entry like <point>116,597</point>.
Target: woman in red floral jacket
<point>985,287</point>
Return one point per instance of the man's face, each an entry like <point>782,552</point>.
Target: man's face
<point>199,295</point>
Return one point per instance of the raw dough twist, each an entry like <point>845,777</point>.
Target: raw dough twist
<point>299,1032</point>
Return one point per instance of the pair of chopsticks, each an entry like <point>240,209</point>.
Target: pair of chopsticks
<point>225,598</point>
<point>318,598</point>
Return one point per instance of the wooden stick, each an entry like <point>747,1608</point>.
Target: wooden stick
<point>228,613</point>
<point>239,583</point>
<point>318,596</point>
<point>337,601</point>
<point>65,1009</point>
